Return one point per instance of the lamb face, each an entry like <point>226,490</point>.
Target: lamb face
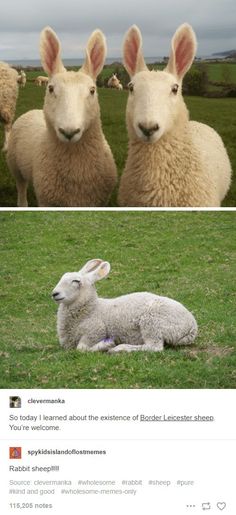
<point>154,104</point>
<point>67,290</point>
<point>71,105</point>
<point>71,102</point>
<point>79,286</point>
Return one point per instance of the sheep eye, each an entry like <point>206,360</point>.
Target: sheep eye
<point>175,88</point>
<point>50,88</point>
<point>131,87</point>
<point>76,281</point>
<point>92,90</point>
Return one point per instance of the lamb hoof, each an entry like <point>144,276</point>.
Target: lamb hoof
<point>118,348</point>
<point>82,348</point>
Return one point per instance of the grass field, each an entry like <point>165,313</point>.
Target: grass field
<point>219,113</point>
<point>218,72</point>
<point>222,72</point>
<point>187,256</point>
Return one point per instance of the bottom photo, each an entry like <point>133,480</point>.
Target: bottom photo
<point>107,299</point>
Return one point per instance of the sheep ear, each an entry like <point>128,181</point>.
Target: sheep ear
<point>91,265</point>
<point>96,269</point>
<point>96,51</point>
<point>183,50</point>
<point>101,272</point>
<point>132,51</point>
<point>50,52</point>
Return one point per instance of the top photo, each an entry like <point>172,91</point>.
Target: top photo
<point>120,105</point>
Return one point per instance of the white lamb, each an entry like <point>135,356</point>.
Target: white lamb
<point>8,97</point>
<point>114,82</point>
<point>134,322</point>
<point>62,149</point>
<point>22,78</point>
<point>41,79</point>
<point>171,161</point>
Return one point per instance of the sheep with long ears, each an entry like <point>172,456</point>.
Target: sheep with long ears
<point>62,149</point>
<point>134,322</point>
<point>171,161</point>
<point>8,97</point>
<point>114,82</point>
<point>22,78</point>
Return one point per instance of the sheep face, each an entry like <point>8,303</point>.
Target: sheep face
<point>155,101</point>
<point>68,289</point>
<point>77,287</point>
<point>71,105</point>
<point>71,101</point>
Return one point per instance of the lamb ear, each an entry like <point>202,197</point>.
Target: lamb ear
<point>91,265</point>
<point>183,50</point>
<point>132,52</point>
<point>96,51</point>
<point>50,52</point>
<point>97,272</point>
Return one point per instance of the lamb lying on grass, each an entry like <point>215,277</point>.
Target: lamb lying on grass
<point>62,149</point>
<point>114,82</point>
<point>8,97</point>
<point>171,161</point>
<point>134,322</point>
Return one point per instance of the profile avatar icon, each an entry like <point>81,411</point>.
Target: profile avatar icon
<point>15,402</point>
<point>15,453</point>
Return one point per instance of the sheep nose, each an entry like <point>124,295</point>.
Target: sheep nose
<point>68,134</point>
<point>148,131</point>
<point>55,294</point>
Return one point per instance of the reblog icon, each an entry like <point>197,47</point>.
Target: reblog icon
<point>206,506</point>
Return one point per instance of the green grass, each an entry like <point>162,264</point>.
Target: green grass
<point>218,72</point>
<point>222,72</point>
<point>189,256</point>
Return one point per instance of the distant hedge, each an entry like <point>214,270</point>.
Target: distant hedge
<point>196,80</point>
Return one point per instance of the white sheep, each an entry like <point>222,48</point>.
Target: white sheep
<point>8,97</point>
<point>22,78</point>
<point>134,322</point>
<point>62,149</point>
<point>41,79</point>
<point>171,161</point>
<point>114,82</point>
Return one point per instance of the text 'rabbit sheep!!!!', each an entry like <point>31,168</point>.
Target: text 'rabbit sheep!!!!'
<point>172,162</point>
<point>62,149</point>
<point>134,322</point>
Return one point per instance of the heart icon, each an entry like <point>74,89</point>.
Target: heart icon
<point>221,505</point>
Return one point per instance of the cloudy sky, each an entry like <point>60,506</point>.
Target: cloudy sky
<point>22,20</point>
